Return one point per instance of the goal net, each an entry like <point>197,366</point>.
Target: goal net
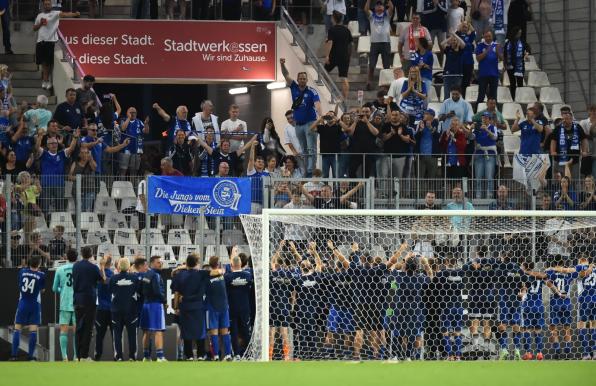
<point>409,285</point>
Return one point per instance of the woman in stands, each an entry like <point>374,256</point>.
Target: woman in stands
<point>565,198</point>
<point>413,96</point>
<point>424,60</point>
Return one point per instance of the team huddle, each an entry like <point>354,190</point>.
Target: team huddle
<point>210,300</point>
<point>327,305</point>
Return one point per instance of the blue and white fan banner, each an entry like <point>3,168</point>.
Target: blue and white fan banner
<point>187,195</point>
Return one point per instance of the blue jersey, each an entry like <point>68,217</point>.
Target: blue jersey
<point>509,279</point>
<point>340,290</point>
<point>239,289</point>
<point>533,298</point>
<point>217,297</point>
<point>31,283</point>
<point>305,112</point>
<point>563,283</point>
<point>311,302</point>
<point>451,285</point>
<point>153,287</point>
<point>192,285</point>
<point>280,287</point>
<point>530,138</point>
<point>369,284</point>
<point>587,284</point>
<point>134,132</point>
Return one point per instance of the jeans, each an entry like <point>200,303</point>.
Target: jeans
<point>329,161</point>
<point>367,162</point>
<point>383,176</point>
<point>398,167</point>
<point>449,82</point>
<point>87,200</point>
<point>343,165</point>
<point>308,142</point>
<point>428,83</point>
<point>487,82</point>
<point>484,168</point>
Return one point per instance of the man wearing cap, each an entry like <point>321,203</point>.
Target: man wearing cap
<point>427,145</point>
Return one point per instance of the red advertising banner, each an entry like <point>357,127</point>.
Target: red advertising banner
<point>172,51</point>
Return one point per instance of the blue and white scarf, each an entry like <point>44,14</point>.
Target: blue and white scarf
<point>186,128</point>
<point>499,16</point>
<point>519,65</point>
<point>564,146</point>
<point>452,153</point>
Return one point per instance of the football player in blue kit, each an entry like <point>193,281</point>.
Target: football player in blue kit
<point>218,315</point>
<point>31,283</point>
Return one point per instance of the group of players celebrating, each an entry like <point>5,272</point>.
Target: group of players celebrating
<point>327,305</point>
<point>207,299</point>
<point>323,304</point>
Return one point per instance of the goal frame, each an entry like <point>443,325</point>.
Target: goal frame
<point>267,213</point>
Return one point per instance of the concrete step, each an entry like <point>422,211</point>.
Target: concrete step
<point>116,11</point>
<point>28,75</point>
<point>369,96</point>
<point>17,58</point>
<point>29,91</point>
<point>52,100</point>
<point>354,78</point>
<point>22,67</point>
<point>17,83</point>
<point>115,16</point>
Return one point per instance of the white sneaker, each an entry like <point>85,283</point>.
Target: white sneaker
<point>228,358</point>
<point>49,86</point>
<point>161,360</point>
<point>44,84</point>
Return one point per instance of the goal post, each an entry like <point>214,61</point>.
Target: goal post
<point>371,318</point>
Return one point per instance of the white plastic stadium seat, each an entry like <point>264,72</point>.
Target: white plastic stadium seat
<point>103,190</point>
<point>115,220</point>
<point>131,251</point>
<point>105,249</point>
<point>511,143</point>
<point>170,220</point>
<point>192,223</point>
<point>538,79</point>
<point>353,27</point>
<point>208,238</point>
<point>509,110</point>
<point>165,251</point>
<point>122,189</point>
<point>525,95</point>
<point>436,106</point>
<point>364,45</point>
<point>155,237</point>
<point>89,221</point>
<point>217,250</point>
<point>396,62</point>
<point>186,250</point>
<point>97,237</point>
<point>68,188</point>
<point>125,236</point>
<point>40,223</point>
<point>481,107</point>
<point>179,237</point>
<point>385,77</point>
<point>104,204</point>
<point>531,64</point>
<point>436,63</point>
<point>61,218</point>
<point>504,95</point>
<point>550,95</point>
<point>472,93</point>
<point>128,203</point>
<point>432,95</point>
<point>394,40</point>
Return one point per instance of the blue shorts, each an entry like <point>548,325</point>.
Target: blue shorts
<point>217,319</point>
<point>533,317</point>
<point>560,313</point>
<point>452,319</point>
<point>586,309</point>
<point>153,317</point>
<point>509,313</point>
<point>340,321</point>
<point>28,314</point>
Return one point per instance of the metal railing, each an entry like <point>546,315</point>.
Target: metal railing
<point>323,78</point>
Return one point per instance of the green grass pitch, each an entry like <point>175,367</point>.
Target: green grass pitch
<point>485,373</point>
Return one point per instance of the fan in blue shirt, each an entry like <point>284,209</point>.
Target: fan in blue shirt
<point>531,132</point>
<point>103,315</point>
<point>153,320</point>
<point>31,282</point>
<point>488,54</point>
<point>218,316</point>
<point>97,146</point>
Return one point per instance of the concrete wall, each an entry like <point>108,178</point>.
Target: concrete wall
<point>563,38</point>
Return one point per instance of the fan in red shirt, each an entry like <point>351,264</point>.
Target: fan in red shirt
<point>167,168</point>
